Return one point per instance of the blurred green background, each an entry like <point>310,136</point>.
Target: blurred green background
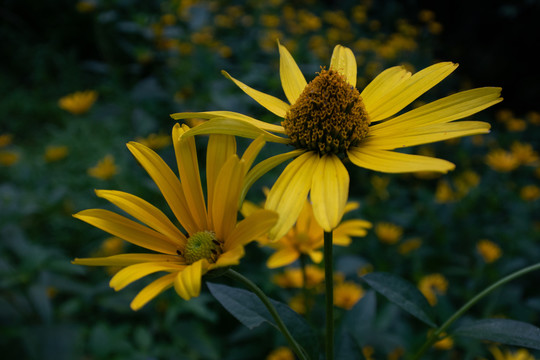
<point>143,60</point>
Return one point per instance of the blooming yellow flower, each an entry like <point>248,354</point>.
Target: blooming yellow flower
<point>530,193</point>
<point>8,158</point>
<point>55,153</point>
<point>79,102</point>
<point>281,353</point>
<point>329,120</point>
<point>214,239</point>
<point>432,285</point>
<point>444,192</point>
<point>488,250</point>
<point>524,153</point>
<point>294,278</point>
<point>520,354</point>
<point>104,169</point>
<point>347,294</point>
<point>501,160</point>
<point>388,233</point>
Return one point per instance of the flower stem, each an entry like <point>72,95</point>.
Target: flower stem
<point>266,301</point>
<point>435,335</point>
<point>329,283</point>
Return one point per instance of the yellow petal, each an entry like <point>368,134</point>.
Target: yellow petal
<point>152,290</point>
<point>252,151</point>
<point>407,91</point>
<point>144,212</point>
<point>382,84</point>
<point>135,272</point>
<point>282,257</point>
<point>394,162</point>
<point>271,103</point>
<point>128,230</point>
<point>316,256</point>
<point>252,227</point>
<point>450,108</point>
<point>344,62</point>
<point>230,257</point>
<point>167,182</point>
<point>289,193</point>
<point>292,80</point>
<point>208,115</point>
<point>188,168</point>
<point>125,259</point>
<point>350,228</point>
<point>329,191</point>
<point>188,282</point>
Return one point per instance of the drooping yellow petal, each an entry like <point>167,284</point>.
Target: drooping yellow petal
<point>273,104</point>
<point>125,259</point>
<point>255,225</point>
<point>292,79</point>
<point>344,62</point>
<point>290,191</point>
<point>394,162</point>
<point>383,84</point>
<point>407,91</point>
<point>188,281</point>
<point>128,230</point>
<point>144,212</point>
<point>282,257</point>
<point>316,256</point>
<point>135,272</point>
<point>152,290</point>
<point>252,151</point>
<point>350,228</point>
<point>450,108</point>
<point>208,115</point>
<point>188,168</point>
<point>230,257</point>
<point>167,182</point>
<point>329,191</point>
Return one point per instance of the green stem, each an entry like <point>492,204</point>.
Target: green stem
<point>436,334</point>
<point>329,281</point>
<point>261,295</point>
<point>305,291</point>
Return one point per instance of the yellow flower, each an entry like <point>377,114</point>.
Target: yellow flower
<point>446,343</point>
<point>155,141</point>
<point>8,158</point>
<point>79,102</point>
<point>5,140</point>
<point>55,153</point>
<point>433,285</point>
<point>501,160</point>
<point>388,233</point>
<point>444,192</point>
<point>530,193</point>
<point>520,354</point>
<point>347,294</point>
<point>329,120</point>
<point>409,245</point>
<point>281,353</point>
<point>488,250</point>
<point>524,153</point>
<point>294,278</point>
<point>104,169</point>
<point>214,239</point>
<point>84,6</point>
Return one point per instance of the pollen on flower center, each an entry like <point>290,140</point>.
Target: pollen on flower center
<point>202,245</point>
<point>328,117</point>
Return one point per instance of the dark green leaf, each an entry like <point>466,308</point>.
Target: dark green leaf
<point>401,293</point>
<point>250,311</point>
<point>506,331</point>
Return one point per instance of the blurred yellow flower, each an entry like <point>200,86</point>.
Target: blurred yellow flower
<point>489,251</point>
<point>79,102</point>
<point>5,140</point>
<point>444,192</point>
<point>281,353</point>
<point>445,343</point>
<point>410,245</point>
<point>515,125</point>
<point>530,193</point>
<point>8,158</point>
<point>347,294</point>
<point>155,141</point>
<point>85,6</point>
<point>426,15</point>
<point>501,160</point>
<point>104,169</point>
<point>294,278</point>
<point>298,303</point>
<point>396,354</point>
<point>368,352</point>
<point>55,153</point>
<point>433,285</point>
<point>388,233</point>
<point>524,153</point>
<point>519,354</point>
<point>533,117</point>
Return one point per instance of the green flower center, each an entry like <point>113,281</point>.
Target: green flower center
<point>202,245</point>
<point>328,117</point>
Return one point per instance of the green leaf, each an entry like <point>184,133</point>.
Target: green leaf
<point>401,293</point>
<point>506,331</point>
<point>250,311</point>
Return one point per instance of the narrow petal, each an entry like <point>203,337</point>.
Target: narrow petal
<point>350,228</point>
<point>292,79</point>
<point>316,256</point>
<point>152,290</point>
<point>289,193</point>
<point>252,151</point>
<point>144,212</point>
<point>230,257</point>
<point>166,181</point>
<point>188,282</point>
<point>128,230</point>
<point>208,115</point>
<point>282,257</point>
<point>125,259</point>
<point>407,91</point>
<point>383,84</point>
<point>394,162</point>
<point>252,227</point>
<point>329,191</point>
<point>271,103</point>
<point>344,62</point>
<point>135,272</point>
<point>188,168</point>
